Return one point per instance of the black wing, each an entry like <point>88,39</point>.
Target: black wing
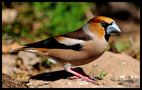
<point>52,43</point>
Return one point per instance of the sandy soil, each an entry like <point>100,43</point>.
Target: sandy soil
<point>111,70</point>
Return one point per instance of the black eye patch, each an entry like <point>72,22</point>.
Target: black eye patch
<point>104,24</point>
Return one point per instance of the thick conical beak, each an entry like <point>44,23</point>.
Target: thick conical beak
<point>113,29</point>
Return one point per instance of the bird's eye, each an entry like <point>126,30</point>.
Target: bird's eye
<point>103,24</point>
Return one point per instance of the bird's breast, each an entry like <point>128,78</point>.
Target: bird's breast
<point>93,53</point>
<point>89,52</point>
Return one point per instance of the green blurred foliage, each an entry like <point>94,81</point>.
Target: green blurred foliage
<point>120,46</point>
<point>63,17</point>
<point>101,74</point>
<point>39,20</point>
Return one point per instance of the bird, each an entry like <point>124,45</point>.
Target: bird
<point>78,47</point>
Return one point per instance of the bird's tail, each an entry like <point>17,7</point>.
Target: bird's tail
<point>15,51</point>
<point>39,51</point>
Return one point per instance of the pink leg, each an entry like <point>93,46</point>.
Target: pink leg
<point>68,69</point>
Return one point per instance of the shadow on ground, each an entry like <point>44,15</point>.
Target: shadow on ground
<point>56,75</point>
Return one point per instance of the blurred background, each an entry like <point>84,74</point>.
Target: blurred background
<point>27,22</point>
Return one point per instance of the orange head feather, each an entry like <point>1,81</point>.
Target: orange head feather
<point>96,27</point>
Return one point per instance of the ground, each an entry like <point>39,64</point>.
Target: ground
<point>110,70</point>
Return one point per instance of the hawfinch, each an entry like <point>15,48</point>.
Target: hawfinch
<point>78,47</point>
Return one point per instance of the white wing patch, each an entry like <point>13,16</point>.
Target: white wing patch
<point>52,60</point>
<point>69,41</point>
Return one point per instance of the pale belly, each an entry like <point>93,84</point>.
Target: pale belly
<point>79,61</point>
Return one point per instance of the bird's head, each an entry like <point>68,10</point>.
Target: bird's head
<point>103,26</point>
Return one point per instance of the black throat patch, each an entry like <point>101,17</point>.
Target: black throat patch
<point>107,37</point>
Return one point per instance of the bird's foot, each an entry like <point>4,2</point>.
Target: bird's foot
<point>73,77</point>
<point>84,78</point>
<point>80,75</point>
